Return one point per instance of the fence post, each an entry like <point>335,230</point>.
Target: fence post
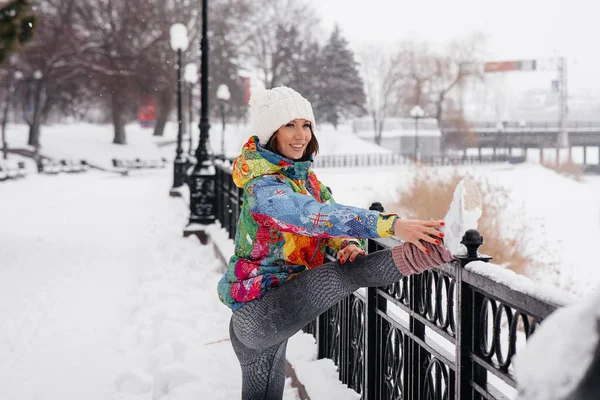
<point>220,179</point>
<point>417,356</point>
<point>371,333</point>
<point>469,304</point>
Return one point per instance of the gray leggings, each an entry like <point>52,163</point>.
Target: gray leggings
<point>260,329</point>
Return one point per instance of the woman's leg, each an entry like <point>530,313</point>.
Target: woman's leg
<point>283,311</point>
<point>263,371</point>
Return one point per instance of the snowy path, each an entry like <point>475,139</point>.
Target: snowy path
<point>72,250</point>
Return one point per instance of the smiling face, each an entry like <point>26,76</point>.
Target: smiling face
<point>293,137</point>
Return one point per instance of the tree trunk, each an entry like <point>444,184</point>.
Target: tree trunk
<point>376,132</point>
<point>163,109</point>
<point>335,121</point>
<point>161,121</point>
<point>117,117</point>
<point>36,120</point>
<point>7,101</point>
<point>34,133</point>
<point>439,108</point>
<point>380,129</point>
<point>34,128</point>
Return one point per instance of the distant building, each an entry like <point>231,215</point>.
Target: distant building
<point>399,135</point>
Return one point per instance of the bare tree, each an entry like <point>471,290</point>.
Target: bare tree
<point>275,33</point>
<point>9,82</point>
<point>383,77</point>
<point>228,37</point>
<point>420,64</point>
<point>434,75</point>
<point>156,72</point>
<point>460,63</point>
<point>117,34</point>
<point>49,67</point>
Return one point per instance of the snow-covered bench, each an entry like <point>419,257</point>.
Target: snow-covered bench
<point>137,163</point>
<point>53,167</point>
<point>10,169</point>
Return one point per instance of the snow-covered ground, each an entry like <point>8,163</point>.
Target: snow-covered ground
<point>560,217</point>
<point>102,297</point>
<point>94,142</point>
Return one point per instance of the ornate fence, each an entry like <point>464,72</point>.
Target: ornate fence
<point>448,333</point>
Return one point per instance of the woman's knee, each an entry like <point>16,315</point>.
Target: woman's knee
<point>246,334</point>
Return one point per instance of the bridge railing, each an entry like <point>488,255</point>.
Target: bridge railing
<point>514,126</point>
<point>448,333</point>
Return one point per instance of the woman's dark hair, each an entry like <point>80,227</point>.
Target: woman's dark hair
<point>312,148</point>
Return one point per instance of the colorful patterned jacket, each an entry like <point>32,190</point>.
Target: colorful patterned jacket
<point>287,219</point>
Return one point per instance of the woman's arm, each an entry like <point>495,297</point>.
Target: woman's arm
<point>338,244</point>
<point>272,202</point>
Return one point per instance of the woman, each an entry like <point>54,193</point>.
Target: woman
<point>276,283</point>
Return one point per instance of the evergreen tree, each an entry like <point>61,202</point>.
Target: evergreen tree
<point>304,74</point>
<point>341,91</point>
<point>16,26</point>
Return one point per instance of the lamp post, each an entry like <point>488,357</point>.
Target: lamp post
<point>522,125</point>
<point>201,180</point>
<point>500,129</point>
<point>191,77</point>
<point>179,43</point>
<point>223,95</point>
<point>417,113</point>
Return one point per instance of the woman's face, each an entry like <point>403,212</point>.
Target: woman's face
<point>293,137</point>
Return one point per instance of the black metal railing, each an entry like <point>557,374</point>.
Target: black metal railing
<point>513,135</point>
<point>448,333</point>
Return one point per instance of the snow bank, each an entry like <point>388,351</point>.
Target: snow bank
<point>559,353</point>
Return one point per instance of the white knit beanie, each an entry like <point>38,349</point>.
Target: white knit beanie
<point>273,108</point>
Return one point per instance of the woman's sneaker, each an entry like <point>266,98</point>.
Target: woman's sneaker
<point>465,211</point>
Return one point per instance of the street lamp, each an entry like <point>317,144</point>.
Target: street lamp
<point>223,95</point>
<point>179,43</point>
<point>500,129</point>
<point>522,125</point>
<point>202,178</point>
<point>191,77</point>
<point>417,113</point>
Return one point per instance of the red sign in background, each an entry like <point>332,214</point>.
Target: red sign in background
<point>147,111</point>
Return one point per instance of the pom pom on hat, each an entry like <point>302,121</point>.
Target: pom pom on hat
<point>272,108</point>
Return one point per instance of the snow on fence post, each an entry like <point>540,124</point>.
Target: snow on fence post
<point>469,304</point>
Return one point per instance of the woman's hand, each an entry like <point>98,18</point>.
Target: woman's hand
<point>349,253</point>
<point>413,231</point>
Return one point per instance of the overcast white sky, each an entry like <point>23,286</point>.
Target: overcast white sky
<point>516,29</point>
